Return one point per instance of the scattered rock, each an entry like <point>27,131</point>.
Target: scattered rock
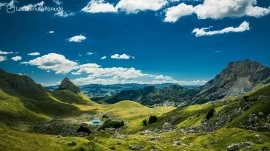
<point>147,132</point>
<point>176,143</point>
<point>260,113</point>
<point>81,134</point>
<point>135,147</point>
<point>238,146</point>
<point>167,127</point>
<point>268,117</point>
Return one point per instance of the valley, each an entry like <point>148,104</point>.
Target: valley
<point>237,118</point>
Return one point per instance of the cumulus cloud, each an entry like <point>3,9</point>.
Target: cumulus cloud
<point>205,31</point>
<point>104,57</point>
<point>99,6</point>
<point>229,8</point>
<point>217,9</point>
<point>92,73</point>
<point>96,74</point>
<point>135,6</point>
<point>5,52</point>
<point>2,58</point>
<point>123,56</point>
<point>77,38</point>
<point>54,62</point>
<point>33,54</point>
<point>176,12</point>
<point>16,58</point>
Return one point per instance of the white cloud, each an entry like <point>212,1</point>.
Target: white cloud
<point>2,58</point>
<point>5,52</point>
<point>30,7</point>
<point>33,54</point>
<point>217,9</point>
<point>123,56</point>
<point>99,6</point>
<point>63,13</point>
<point>104,57</point>
<point>135,6</point>
<point>176,12</point>
<point>77,38</point>
<point>16,58</point>
<point>89,53</point>
<point>204,31</point>
<point>51,32</point>
<point>95,74</point>
<point>54,62</point>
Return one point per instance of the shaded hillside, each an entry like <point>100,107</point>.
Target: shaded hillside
<point>21,85</point>
<point>249,112</point>
<point>237,78</point>
<point>24,100</point>
<point>151,95</point>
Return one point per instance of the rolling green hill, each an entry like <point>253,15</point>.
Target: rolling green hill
<point>37,122</point>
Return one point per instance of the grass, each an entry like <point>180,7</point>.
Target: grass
<point>64,104</point>
<point>24,141</point>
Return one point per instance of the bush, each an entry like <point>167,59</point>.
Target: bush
<point>152,119</point>
<point>210,114</point>
<point>112,124</point>
<point>105,116</point>
<point>144,122</point>
<point>84,129</point>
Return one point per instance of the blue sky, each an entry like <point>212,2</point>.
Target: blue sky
<point>131,41</point>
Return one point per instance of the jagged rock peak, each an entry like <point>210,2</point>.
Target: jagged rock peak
<point>66,84</point>
<point>18,82</point>
<point>237,78</point>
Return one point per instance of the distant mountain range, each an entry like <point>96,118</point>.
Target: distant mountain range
<point>98,90</point>
<point>237,78</point>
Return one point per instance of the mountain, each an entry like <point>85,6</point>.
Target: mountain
<point>237,78</point>
<point>21,85</point>
<point>20,92</point>
<point>150,95</point>
<point>18,83</point>
<point>66,84</point>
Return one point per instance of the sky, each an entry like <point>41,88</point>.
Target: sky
<point>131,41</point>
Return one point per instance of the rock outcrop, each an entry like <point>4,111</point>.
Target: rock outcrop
<point>66,84</point>
<point>18,83</point>
<point>237,78</point>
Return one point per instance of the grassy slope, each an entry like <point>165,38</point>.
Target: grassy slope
<point>191,116</point>
<point>133,114</point>
<point>24,141</point>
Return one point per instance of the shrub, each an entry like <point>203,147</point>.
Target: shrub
<point>105,116</point>
<point>84,129</point>
<point>152,119</point>
<point>112,124</point>
<point>210,114</point>
<point>144,122</point>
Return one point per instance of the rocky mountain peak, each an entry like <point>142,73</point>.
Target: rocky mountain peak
<point>237,78</point>
<point>18,82</point>
<point>66,84</point>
